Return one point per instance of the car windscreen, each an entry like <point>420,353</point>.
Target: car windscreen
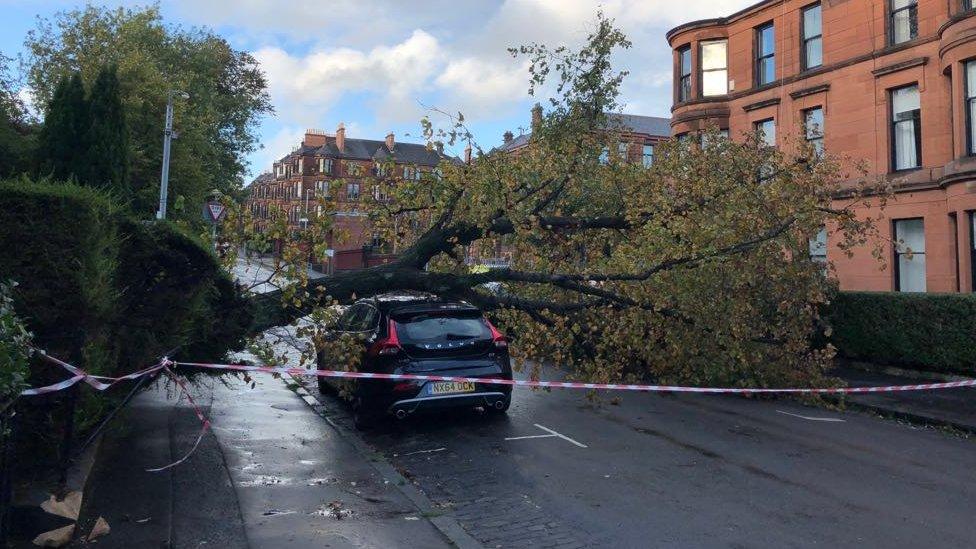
<point>440,330</point>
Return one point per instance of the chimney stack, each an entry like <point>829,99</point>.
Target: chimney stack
<point>508,137</point>
<point>536,118</point>
<point>314,138</point>
<point>467,153</point>
<point>341,137</point>
<point>390,141</point>
<point>440,147</point>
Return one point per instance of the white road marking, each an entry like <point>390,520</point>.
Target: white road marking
<point>425,451</point>
<point>560,435</point>
<point>831,419</point>
<point>529,436</point>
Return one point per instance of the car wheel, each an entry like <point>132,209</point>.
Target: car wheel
<point>364,416</point>
<point>324,387</point>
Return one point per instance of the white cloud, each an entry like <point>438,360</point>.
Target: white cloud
<point>276,146</point>
<point>304,87</point>
<point>376,64</point>
<point>476,84</point>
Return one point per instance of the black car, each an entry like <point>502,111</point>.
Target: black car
<point>420,334</point>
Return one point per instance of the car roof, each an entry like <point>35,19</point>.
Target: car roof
<point>405,302</point>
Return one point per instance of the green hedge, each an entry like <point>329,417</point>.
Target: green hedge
<point>934,332</point>
<point>107,293</point>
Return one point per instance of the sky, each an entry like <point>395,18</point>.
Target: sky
<point>380,65</point>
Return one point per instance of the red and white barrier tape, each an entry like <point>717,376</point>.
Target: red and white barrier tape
<point>575,385</point>
<point>97,382</point>
<point>102,383</point>
<point>204,422</point>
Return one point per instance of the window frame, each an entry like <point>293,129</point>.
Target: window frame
<point>702,70</point>
<point>806,129</point>
<point>897,254</point>
<point>916,120</point>
<point>759,57</point>
<point>644,155</point>
<point>972,250</point>
<point>804,39</point>
<point>816,257</point>
<point>681,97</point>
<point>755,128</point>
<point>969,97</point>
<point>913,18</point>
<point>349,195</point>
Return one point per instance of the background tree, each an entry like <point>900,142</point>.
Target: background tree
<point>17,132</point>
<point>108,138</point>
<point>62,151</point>
<point>216,125</point>
<point>695,270</point>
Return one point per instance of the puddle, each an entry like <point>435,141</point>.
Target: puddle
<point>265,480</point>
<point>307,461</point>
<point>322,481</point>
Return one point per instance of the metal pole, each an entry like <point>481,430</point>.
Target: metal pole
<point>164,180</point>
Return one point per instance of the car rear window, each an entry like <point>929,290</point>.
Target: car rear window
<point>435,330</point>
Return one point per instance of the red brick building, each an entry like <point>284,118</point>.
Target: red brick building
<point>332,163</point>
<point>891,82</point>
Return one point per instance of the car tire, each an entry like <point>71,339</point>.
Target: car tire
<point>324,387</point>
<point>364,416</point>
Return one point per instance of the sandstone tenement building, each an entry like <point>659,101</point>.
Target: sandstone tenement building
<point>892,82</point>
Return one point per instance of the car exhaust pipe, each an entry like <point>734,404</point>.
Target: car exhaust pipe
<point>401,413</point>
<point>499,405</point>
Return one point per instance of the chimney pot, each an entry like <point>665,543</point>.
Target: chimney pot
<point>467,154</point>
<point>390,142</point>
<point>341,137</point>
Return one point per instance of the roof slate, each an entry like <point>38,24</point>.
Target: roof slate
<point>650,125</point>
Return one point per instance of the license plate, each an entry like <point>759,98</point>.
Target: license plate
<point>446,387</point>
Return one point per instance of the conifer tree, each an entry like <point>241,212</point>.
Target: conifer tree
<point>63,142</point>
<point>108,153</point>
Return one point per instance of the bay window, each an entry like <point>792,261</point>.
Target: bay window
<point>714,68</point>
<point>971,107</point>
<point>684,74</point>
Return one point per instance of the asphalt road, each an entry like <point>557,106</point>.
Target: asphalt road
<point>687,471</point>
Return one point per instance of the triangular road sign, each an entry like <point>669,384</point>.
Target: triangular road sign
<point>216,210</point>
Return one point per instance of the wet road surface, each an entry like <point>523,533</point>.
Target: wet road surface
<point>685,471</point>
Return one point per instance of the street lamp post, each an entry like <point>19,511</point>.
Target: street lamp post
<point>167,138</point>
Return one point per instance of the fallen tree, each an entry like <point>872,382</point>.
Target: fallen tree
<point>694,269</point>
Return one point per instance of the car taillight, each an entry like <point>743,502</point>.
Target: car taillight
<point>405,386</point>
<point>497,338</point>
<point>388,346</point>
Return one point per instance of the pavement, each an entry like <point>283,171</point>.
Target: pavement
<point>953,408</point>
<point>270,474</point>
